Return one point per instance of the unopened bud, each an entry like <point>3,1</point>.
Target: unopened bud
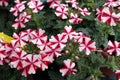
<point>76,58</point>
<point>67,52</point>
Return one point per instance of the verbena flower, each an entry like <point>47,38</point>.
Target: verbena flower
<point>62,12</point>
<point>84,11</point>
<point>75,19</point>
<point>58,41</point>
<point>35,5</point>
<point>69,68</point>
<point>109,17</point>
<point>114,48</point>
<point>4,2</point>
<point>87,45</point>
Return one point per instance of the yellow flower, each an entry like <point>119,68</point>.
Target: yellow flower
<point>5,37</point>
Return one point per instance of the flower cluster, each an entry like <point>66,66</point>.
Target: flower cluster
<point>107,13</point>
<point>20,11</point>
<point>63,11</point>
<point>26,61</point>
<point>22,57</point>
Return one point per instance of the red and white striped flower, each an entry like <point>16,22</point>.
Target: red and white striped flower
<point>19,7</point>
<point>84,12</point>
<point>53,3</point>
<point>31,64</point>
<point>4,2</point>
<point>118,2</point>
<point>26,17</point>
<point>39,37</point>
<point>44,44</point>
<point>87,45</point>
<point>118,74</point>
<point>69,67</point>
<point>109,17</point>
<point>58,41</point>
<point>75,19</point>
<point>52,52</point>
<point>26,34</point>
<point>44,61</point>
<point>99,13</point>
<point>18,23</point>
<point>111,3</point>
<point>24,72</point>
<point>11,49</point>
<point>35,5</point>
<point>69,32</point>
<point>114,48</point>
<point>79,37</point>
<point>19,40</point>
<point>62,12</point>
<point>2,52</point>
<point>17,59</point>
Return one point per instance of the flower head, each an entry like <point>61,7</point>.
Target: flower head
<point>69,67</point>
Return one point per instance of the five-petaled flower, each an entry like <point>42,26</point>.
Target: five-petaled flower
<point>62,12</point>
<point>114,48</point>
<point>69,67</point>
<point>75,19</point>
<point>84,11</point>
<point>35,5</point>
<point>87,45</point>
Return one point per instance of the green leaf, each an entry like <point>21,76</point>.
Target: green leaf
<point>55,75</point>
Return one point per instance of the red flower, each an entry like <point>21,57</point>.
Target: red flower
<point>68,67</point>
<point>78,37</point>
<point>18,23</point>
<point>11,50</point>
<point>31,63</point>
<point>52,52</point>
<point>39,36</point>
<point>26,34</point>
<point>69,32</point>
<point>44,60</point>
<point>74,19</point>
<point>87,45</point>
<point>58,41</point>
<point>4,2</point>
<point>109,17</point>
<point>84,11</point>
<point>62,12</point>
<point>19,7</point>
<point>26,17</point>
<point>99,13</point>
<point>44,44</point>
<point>2,52</point>
<point>111,3</point>
<point>18,59</point>
<point>19,40</point>
<point>114,47</point>
<point>35,5</point>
